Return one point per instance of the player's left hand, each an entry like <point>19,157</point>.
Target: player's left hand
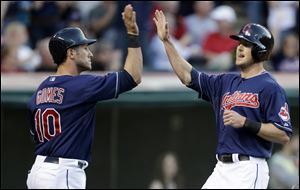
<point>129,18</point>
<point>233,119</point>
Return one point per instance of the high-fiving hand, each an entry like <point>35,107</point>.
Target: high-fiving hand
<point>129,18</point>
<point>161,25</point>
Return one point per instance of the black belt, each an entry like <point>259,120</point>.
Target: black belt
<point>55,160</point>
<point>227,158</point>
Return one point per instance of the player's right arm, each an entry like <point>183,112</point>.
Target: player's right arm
<point>134,60</point>
<point>113,84</point>
<point>180,66</point>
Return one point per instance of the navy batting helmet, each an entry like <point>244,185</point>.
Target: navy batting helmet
<point>65,39</point>
<point>260,37</point>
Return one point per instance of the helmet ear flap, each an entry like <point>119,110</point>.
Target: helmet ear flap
<point>259,54</point>
<point>255,54</point>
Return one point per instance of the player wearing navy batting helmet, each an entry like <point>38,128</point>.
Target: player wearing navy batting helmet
<point>63,106</point>
<point>251,109</point>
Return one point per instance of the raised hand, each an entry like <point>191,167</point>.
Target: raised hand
<point>161,25</point>
<point>129,18</point>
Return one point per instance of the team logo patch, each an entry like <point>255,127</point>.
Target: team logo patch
<point>240,99</point>
<point>284,113</point>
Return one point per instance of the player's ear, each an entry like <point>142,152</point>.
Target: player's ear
<point>71,53</point>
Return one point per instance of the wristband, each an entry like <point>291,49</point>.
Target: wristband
<point>252,126</point>
<point>133,41</point>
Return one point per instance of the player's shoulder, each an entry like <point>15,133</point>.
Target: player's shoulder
<point>92,77</point>
<point>218,76</point>
<point>269,79</point>
<point>229,75</point>
<point>87,77</point>
<point>270,83</point>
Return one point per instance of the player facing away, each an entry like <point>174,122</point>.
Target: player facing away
<point>63,107</point>
<point>251,108</point>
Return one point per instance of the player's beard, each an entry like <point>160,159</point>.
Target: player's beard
<point>245,65</point>
<point>84,66</point>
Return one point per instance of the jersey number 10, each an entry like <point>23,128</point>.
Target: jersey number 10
<point>42,125</point>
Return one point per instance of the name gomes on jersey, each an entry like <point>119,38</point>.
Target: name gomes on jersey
<point>240,99</point>
<point>50,95</point>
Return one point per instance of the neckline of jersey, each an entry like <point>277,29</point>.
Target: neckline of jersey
<point>61,76</point>
<point>259,74</point>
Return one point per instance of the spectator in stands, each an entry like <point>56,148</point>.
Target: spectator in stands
<point>45,20</point>
<point>200,24</point>
<point>160,61</point>
<point>85,8</point>
<point>4,7</point>
<point>172,7</point>
<point>106,58</point>
<point>186,8</point>
<point>282,18</point>
<point>284,166</point>
<point>217,46</point>
<point>18,55</point>
<point>73,19</point>
<point>15,11</point>
<point>101,20</point>
<point>256,11</point>
<point>69,13</point>
<point>287,59</point>
<point>167,174</point>
<point>46,64</point>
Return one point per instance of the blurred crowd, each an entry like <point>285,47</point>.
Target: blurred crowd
<point>199,30</point>
<point>284,166</point>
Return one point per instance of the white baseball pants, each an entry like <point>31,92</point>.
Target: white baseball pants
<point>63,174</point>
<point>249,174</point>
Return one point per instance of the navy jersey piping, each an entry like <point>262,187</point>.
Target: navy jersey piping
<point>67,179</point>
<point>117,84</point>
<point>283,128</point>
<point>256,176</point>
<point>199,74</point>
